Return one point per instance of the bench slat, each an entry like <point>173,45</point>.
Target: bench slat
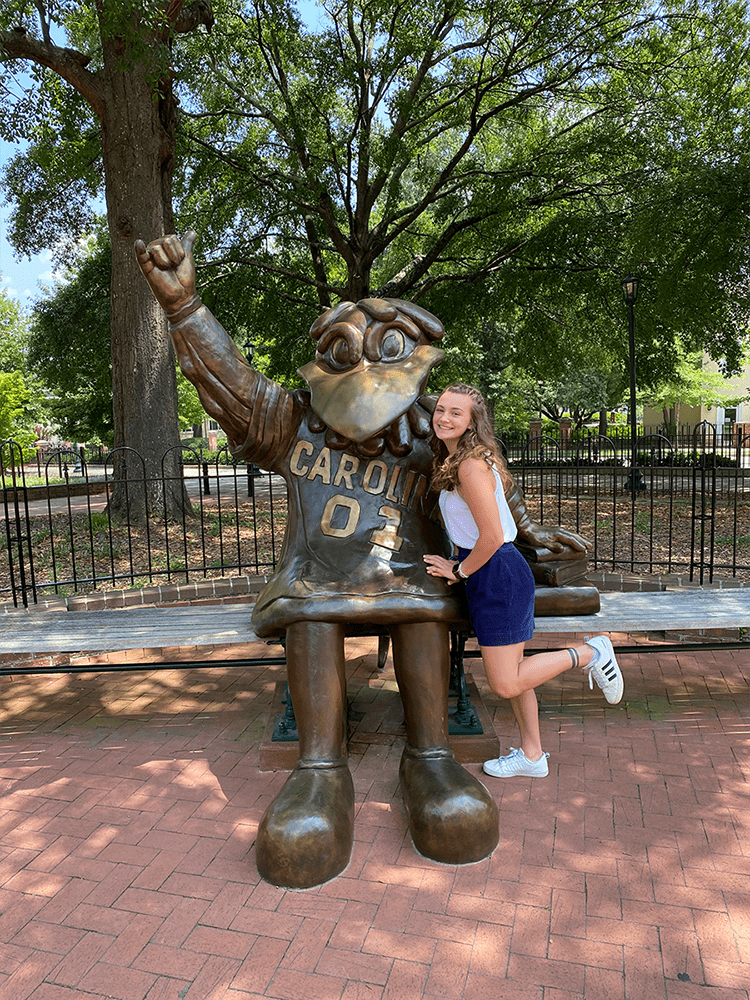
<point>140,628</point>
<point>149,628</point>
<point>656,611</point>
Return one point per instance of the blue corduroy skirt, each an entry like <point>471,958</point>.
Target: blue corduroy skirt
<point>501,598</point>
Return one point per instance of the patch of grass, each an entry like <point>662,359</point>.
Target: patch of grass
<point>98,521</point>
<point>741,541</point>
<point>41,481</point>
<point>643,523</point>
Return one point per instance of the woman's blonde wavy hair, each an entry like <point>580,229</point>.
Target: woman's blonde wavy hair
<point>477,441</point>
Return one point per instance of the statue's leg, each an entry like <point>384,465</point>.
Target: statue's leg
<point>452,816</point>
<point>306,835</point>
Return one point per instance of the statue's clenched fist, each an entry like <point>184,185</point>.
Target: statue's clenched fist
<point>168,266</point>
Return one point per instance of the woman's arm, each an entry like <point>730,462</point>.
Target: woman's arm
<point>477,487</point>
<point>477,483</point>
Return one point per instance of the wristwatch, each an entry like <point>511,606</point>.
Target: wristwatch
<point>458,572</point>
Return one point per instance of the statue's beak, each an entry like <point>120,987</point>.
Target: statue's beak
<point>363,401</point>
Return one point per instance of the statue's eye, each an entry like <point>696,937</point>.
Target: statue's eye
<point>390,341</point>
<point>340,347</point>
<point>340,354</point>
<point>395,346</point>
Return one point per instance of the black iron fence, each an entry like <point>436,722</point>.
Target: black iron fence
<point>682,507</point>
<point>63,533</point>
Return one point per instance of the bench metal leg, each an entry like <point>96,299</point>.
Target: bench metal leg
<point>463,720</point>
<point>383,646</point>
<point>285,730</point>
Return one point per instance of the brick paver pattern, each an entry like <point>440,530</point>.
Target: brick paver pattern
<point>130,803</point>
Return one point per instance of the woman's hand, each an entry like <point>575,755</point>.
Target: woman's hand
<point>440,566</point>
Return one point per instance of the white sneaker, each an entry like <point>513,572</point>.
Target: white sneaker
<point>604,669</point>
<point>517,764</point>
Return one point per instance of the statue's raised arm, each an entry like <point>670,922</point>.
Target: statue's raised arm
<point>229,389</point>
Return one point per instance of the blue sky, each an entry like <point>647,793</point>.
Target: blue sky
<point>19,278</point>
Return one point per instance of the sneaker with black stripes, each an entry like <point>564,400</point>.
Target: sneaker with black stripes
<point>604,669</point>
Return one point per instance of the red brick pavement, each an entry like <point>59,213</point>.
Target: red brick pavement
<point>130,804</point>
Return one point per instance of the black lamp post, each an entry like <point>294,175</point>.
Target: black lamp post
<point>249,348</point>
<point>635,480</point>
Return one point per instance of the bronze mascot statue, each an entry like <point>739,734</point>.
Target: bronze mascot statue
<point>355,455</point>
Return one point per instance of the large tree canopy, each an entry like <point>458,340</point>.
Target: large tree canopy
<point>503,163</point>
<point>489,158</point>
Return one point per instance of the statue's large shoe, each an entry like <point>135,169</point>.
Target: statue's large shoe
<point>452,816</point>
<point>305,837</point>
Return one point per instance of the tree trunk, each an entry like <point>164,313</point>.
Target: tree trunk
<point>138,146</point>
<point>358,279</point>
<point>138,150</point>
<point>669,416</point>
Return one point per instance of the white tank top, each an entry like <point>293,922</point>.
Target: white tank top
<point>461,526</point>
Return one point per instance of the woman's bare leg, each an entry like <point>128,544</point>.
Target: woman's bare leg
<point>526,710</point>
<point>510,673</point>
<point>513,676</point>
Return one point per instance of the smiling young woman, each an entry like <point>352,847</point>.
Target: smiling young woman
<point>471,476</point>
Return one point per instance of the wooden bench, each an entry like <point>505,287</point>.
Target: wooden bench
<point>200,625</point>
<point>471,736</point>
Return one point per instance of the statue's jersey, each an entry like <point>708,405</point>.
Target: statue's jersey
<point>357,527</point>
